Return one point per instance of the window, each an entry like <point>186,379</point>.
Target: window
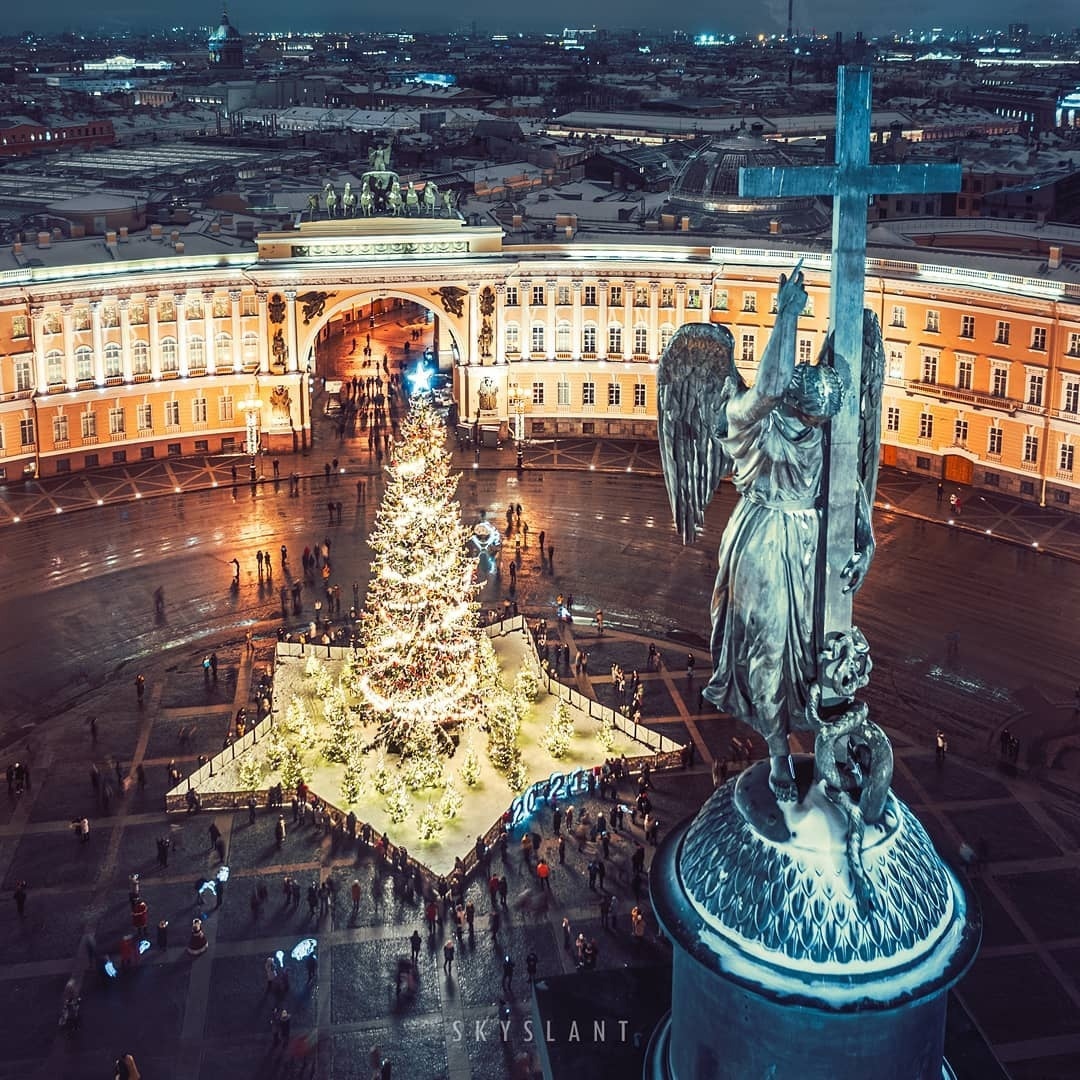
<point>693,299</point>
<point>1074,344</point>
<point>113,365</point>
<point>808,311</point>
<point>615,296</point>
<point>60,428</point>
<point>641,340</point>
<point>1065,457</point>
<point>562,295</point>
<point>967,326</point>
<point>1071,401</point>
<point>639,395</point>
<point>538,296</point>
<point>169,361</point>
<point>202,446</point>
<point>140,358</point>
<point>999,382</point>
<point>922,463</point>
<point>144,417</point>
<point>896,362</point>
<point>18,326</point>
<point>222,306</point>
<point>926,425</point>
<point>116,420</point>
<point>588,339</point>
<point>667,332</point>
<point>747,352</point>
<point>172,413</point>
<point>749,301</point>
<point>137,313</point>
<point>88,421</point>
<point>193,308</point>
<point>898,317</point>
<point>614,340</point>
<point>1035,383</point>
<point>563,336</point>
<point>964,372</point>
<point>992,479</point>
<point>720,299</point>
<point>590,296</point>
<point>53,323</point>
<point>993,441</point>
<point>933,322</point>
<point>146,453</point>
<point>223,357</point>
<point>1038,339</point>
<point>24,375</point>
<point>196,350</point>
<point>513,338</point>
<point>80,318</point>
<point>26,431</point>
<point>250,349</point>
<point>537,338</point>
<point>1031,449</point>
<point>91,461</point>
<point>173,449</point>
<point>511,296</point>
<point>225,407</point>
<point>110,315</point>
<point>1061,496</point>
<point>614,394</point>
<point>960,432</point>
<point>1002,335</point>
<point>119,457</point>
<point>929,368</point>
<point>538,393</point>
<point>1027,487</point>
<point>588,393</point>
<point>641,296</point>
<point>806,350</point>
<point>63,465</point>
<point>198,411</point>
<point>248,304</point>
<point>892,418</point>
<point>563,392</point>
<point>667,298</point>
<point>84,364</point>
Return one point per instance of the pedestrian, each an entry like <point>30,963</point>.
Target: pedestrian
<point>163,935</point>
<point>284,1025</point>
<point>448,957</point>
<point>84,829</point>
<point>541,539</point>
<point>508,973</point>
<point>494,922</point>
<point>20,898</point>
<point>940,491</point>
<point>530,966</point>
<point>415,942</point>
<point>279,829</point>
<point>941,745</point>
<point>562,850</point>
<point>543,872</point>
<point>140,688</point>
<point>311,962</point>
<point>504,889</point>
<point>355,891</point>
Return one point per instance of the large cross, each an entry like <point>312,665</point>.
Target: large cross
<point>850,181</point>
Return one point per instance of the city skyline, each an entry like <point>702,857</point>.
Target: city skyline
<point>825,17</point>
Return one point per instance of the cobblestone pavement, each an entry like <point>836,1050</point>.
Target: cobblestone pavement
<point>209,1016</point>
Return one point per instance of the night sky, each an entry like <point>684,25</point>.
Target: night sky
<point>438,15</point>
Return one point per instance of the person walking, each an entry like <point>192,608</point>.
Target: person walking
<point>279,831</point>
<point>508,973</point>
<point>415,942</point>
<point>355,890</point>
<point>20,898</point>
<point>140,688</point>
<point>448,958</point>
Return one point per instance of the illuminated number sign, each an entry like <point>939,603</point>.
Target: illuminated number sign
<point>556,786</point>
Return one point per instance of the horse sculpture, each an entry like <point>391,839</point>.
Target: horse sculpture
<point>448,202</point>
<point>431,197</point>
<point>330,195</point>
<point>393,200</point>
<point>367,201</point>
<point>412,202</point>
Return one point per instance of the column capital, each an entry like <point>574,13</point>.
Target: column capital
<point>37,311</point>
<point>525,283</point>
<point>577,284</point>
<point>235,294</point>
<point>552,283</point>
<point>500,290</point>
<point>603,283</point>
<point>261,296</point>
<point>680,286</point>
<point>151,301</point>
<point>124,302</point>
<point>628,284</point>
<point>290,294</point>
<point>654,286</point>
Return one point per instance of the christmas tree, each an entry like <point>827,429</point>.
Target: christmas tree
<point>417,673</point>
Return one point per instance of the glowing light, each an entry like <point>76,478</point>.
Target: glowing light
<point>16,520</point>
<point>138,494</point>
<point>144,945</point>
<point>988,533</point>
<point>302,950</point>
<point>101,502</point>
<point>177,489</point>
<point>1034,543</point>
<point>59,509</point>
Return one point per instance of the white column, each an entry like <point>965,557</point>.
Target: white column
<point>577,321</point>
<point>500,325</point>
<point>264,339</point>
<point>69,345</point>
<point>209,332</point>
<point>706,301</point>
<point>293,363</point>
<point>550,295</point>
<point>98,339</point>
<point>125,339</point>
<point>37,316</point>
<point>180,305</point>
<point>472,329</point>
<point>602,319</point>
<point>153,337</point>
<point>628,320</point>
<point>525,298</point>
<point>652,345</point>
<point>237,330</point>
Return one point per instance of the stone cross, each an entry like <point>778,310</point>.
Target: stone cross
<point>850,181</point>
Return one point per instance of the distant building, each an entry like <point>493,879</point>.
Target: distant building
<point>226,46</point>
<point>21,136</point>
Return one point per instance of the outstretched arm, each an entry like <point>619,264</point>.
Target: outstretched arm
<point>778,360</point>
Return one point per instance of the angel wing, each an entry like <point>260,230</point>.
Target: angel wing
<point>696,379</point>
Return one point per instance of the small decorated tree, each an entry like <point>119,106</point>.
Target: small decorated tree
<point>381,778</point>
<point>605,736</point>
<point>354,780</point>
<point>250,772</point>
<point>398,802</point>
<point>470,766</point>
<point>339,723</point>
<point>429,824</point>
<point>452,800</point>
<point>504,727</point>
<point>560,731</point>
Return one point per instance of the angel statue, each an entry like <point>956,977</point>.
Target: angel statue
<point>770,437</point>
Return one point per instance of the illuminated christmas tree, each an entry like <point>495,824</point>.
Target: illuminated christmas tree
<point>417,672</point>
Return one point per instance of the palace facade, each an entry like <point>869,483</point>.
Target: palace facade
<point>178,353</point>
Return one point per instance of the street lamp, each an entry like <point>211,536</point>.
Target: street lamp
<point>517,403</point>
<point>251,407</point>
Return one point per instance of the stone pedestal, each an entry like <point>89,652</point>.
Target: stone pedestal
<point>776,973</point>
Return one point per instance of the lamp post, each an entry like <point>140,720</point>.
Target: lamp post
<point>516,399</point>
<point>305,389</point>
<point>251,407</point>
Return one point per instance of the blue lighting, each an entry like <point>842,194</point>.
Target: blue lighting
<point>144,946</point>
<point>420,378</point>
<point>304,949</point>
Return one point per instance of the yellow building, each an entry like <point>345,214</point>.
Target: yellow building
<point>177,352</point>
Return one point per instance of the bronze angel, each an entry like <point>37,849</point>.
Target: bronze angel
<point>769,436</point>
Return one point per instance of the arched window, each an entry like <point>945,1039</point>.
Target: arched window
<point>513,338</point>
<point>140,358</point>
<point>641,340</point>
<point>667,332</point>
<point>537,339</point>
<point>84,363</point>
<point>614,340</point>
<point>169,358</point>
<point>113,363</point>
<point>196,353</point>
<point>223,357</point>
<point>54,367</point>
<point>563,332</point>
<point>250,346</point>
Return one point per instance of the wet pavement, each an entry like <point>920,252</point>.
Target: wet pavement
<point>970,633</point>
